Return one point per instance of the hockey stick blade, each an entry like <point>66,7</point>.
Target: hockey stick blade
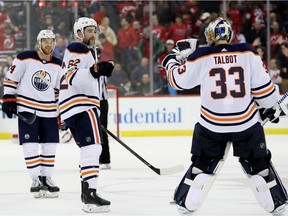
<point>162,171</point>
<point>29,121</point>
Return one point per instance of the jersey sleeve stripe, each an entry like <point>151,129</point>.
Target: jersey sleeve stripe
<point>172,81</point>
<point>261,87</point>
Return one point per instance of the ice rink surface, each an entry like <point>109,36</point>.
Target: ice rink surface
<point>132,187</point>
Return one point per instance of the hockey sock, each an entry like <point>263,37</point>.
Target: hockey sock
<point>47,158</point>
<point>89,164</point>
<point>32,159</point>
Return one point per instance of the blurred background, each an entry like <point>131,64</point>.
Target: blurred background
<point>138,34</point>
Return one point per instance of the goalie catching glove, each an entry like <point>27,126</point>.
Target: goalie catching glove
<point>181,51</point>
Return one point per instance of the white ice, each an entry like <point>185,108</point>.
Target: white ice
<point>131,186</point>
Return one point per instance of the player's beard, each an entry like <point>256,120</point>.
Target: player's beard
<point>47,52</point>
<point>89,41</point>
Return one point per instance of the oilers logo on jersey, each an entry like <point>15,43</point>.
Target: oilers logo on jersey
<point>39,84</point>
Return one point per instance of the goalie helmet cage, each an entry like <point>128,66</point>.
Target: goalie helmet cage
<point>113,114</point>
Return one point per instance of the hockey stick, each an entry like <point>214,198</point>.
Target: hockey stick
<point>162,171</point>
<point>29,121</point>
<point>283,107</point>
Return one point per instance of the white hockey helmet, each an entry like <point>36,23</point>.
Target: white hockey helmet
<point>83,22</point>
<point>219,29</point>
<point>44,34</point>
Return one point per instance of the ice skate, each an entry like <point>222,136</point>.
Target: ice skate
<point>280,211</point>
<point>36,187</point>
<point>93,203</point>
<point>49,189</point>
<point>105,166</point>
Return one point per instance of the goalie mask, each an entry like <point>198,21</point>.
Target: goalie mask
<point>220,29</point>
<point>46,34</point>
<point>83,22</point>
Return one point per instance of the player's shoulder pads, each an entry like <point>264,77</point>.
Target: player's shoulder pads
<point>77,47</point>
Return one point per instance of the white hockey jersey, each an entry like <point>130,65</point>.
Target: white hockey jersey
<point>79,90</point>
<point>32,93</point>
<point>232,79</point>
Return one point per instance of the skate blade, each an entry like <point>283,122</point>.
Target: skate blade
<point>47,194</point>
<point>37,195</point>
<point>183,211</point>
<point>280,211</point>
<point>92,208</point>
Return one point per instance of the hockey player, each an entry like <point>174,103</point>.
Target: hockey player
<point>26,93</point>
<point>232,79</point>
<point>79,107</point>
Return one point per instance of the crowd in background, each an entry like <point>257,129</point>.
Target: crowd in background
<point>125,34</point>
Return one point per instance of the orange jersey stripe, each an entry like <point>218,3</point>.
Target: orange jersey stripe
<point>52,106</point>
<point>95,126</point>
<point>75,101</point>
<point>264,91</point>
<point>229,119</point>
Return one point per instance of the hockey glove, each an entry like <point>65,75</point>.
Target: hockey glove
<point>103,69</point>
<point>184,48</point>
<point>9,105</point>
<point>272,114</point>
<point>180,52</point>
<point>106,68</point>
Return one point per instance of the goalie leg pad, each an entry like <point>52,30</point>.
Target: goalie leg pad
<point>266,184</point>
<point>196,183</point>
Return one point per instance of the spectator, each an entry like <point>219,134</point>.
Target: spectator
<point>118,77</point>
<point>138,29</point>
<point>274,73</point>
<point>256,35</point>
<point>177,30</point>
<point>158,30</point>
<point>107,49</point>
<point>108,31</point>
<point>59,48</point>
<point>205,18</point>
<point>8,38</point>
<point>277,37</point>
<point>284,67</point>
<point>127,45</point>
<point>169,45</point>
<point>262,52</point>
<point>48,22</point>
<point>126,89</point>
<point>144,45</point>
<point>137,73</point>
<point>144,85</point>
